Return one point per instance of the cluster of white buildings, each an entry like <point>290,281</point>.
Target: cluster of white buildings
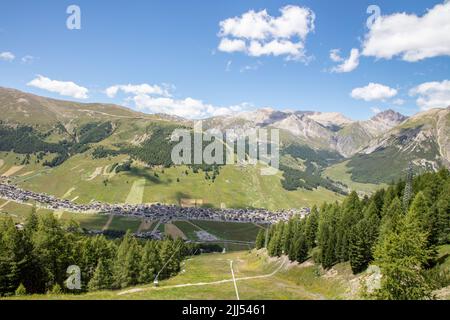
<point>161,212</point>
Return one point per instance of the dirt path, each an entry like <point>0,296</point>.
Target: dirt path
<point>108,223</point>
<point>12,171</point>
<point>5,204</point>
<point>69,192</point>
<point>26,173</point>
<point>234,280</point>
<point>199,284</point>
<point>2,162</point>
<point>96,173</point>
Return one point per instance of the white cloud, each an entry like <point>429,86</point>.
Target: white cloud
<point>411,37</point>
<point>432,94</point>
<point>375,110</point>
<point>63,88</point>
<point>158,99</point>
<point>28,59</point>
<point>258,33</point>
<point>136,90</point>
<point>187,108</point>
<point>399,102</point>
<point>276,48</point>
<point>373,91</point>
<point>347,65</point>
<point>7,56</point>
<point>335,55</point>
<point>235,45</point>
<point>252,67</point>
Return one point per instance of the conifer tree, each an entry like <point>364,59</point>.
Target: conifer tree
<point>150,263</point>
<point>260,239</point>
<point>442,212</point>
<point>364,237</point>
<point>401,255</point>
<point>311,228</point>
<point>102,278</point>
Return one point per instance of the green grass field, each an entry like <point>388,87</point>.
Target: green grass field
<point>188,229</point>
<point>340,172</point>
<point>83,179</point>
<point>125,223</point>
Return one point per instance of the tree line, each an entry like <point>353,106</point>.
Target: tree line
<point>398,229</point>
<point>35,258</point>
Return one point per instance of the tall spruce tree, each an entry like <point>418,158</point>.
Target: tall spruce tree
<point>260,239</point>
<point>401,255</point>
<point>102,278</point>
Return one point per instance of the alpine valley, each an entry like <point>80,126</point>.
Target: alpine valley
<point>108,153</point>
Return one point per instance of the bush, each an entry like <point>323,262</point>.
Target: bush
<point>21,290</point>
<point>56,289</point>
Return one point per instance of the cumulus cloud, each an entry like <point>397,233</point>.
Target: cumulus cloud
<point>373,91</point>
<point>187,108</point>
<point>136,89</point>
<point>375,110</point>
<point>347,65</point>
<point>432,94</point>
<point>399,102</point>
<point>158,99</point>
<point>235,45</point>
<point>258,33</point>
<point>409,36</point>
<point>63,88</point>
<point>335,55</point>
<point>7,56</point>
<point>28,59</point>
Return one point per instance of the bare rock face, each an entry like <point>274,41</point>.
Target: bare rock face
<point>329,131</point>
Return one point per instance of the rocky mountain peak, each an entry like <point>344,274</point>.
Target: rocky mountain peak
<point>389,116</point>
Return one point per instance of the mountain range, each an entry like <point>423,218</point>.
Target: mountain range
<point>372,151</point>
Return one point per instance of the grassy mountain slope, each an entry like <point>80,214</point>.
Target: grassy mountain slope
<point>422,140</point>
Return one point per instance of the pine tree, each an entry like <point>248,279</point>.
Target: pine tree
<point>120,273</point>
<point>401,255</point>
<point>260,239</point>
<point>442,213</point>
<point>150,263</point>
<point>349,216</point>
<point>364,237</point>
<point>391,217</point>
<point>299,250</point>
<point>52,250</point>
<point>102,278</point>
<point>312,224</point>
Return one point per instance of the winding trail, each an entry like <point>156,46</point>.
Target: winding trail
<point>234,280</point>
<point>200,284</point>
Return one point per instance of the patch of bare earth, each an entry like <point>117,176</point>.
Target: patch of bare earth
<point>174,231</point>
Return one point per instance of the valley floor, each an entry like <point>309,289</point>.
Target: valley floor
<point>82,179</point>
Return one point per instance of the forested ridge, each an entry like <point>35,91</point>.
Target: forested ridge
<point>35,259</point>
<point>398,229</point>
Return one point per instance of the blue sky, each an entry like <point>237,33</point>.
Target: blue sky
<point>175,45</point>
